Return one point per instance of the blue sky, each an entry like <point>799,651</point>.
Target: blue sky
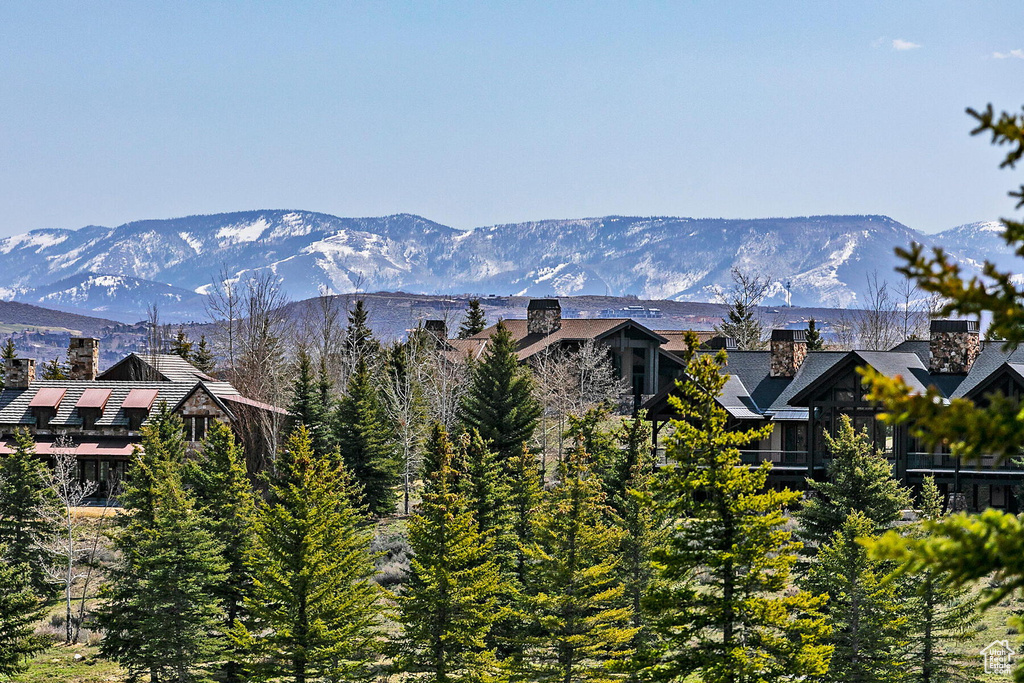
<point>483,113</point>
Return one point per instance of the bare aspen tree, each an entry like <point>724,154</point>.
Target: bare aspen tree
<point>65,547</point>
<point>446,381</point>
<point>914,309</point>
<point>878,323</point>
<point>743,321</point>
<point>553,387</point>
<point>405,402</point>
<point>223,307</point>
<point>595,378</point>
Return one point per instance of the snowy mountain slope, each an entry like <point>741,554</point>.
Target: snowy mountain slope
<point>825,258</point>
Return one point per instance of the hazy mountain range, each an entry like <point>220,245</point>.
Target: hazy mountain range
<point>119,271</point>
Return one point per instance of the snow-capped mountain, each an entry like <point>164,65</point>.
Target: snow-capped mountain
<point>121,270</point>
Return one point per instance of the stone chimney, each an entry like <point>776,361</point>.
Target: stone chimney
<point>438,331</point>
<point>84,357</point>
<point>954,346</point>
<point>788,349</point>
<point>19,372</point>
<point>543,316</point>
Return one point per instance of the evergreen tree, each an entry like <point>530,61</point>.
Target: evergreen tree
<point>859,479</point>
<point>450,602</point>
<point>54,369</point>
<point>203,357</point>
<point>7,352</point>
<point>365,442</point>
<point>499,402</point>
<point>941,617</point>
<point>607,460</point>
<point>475,320</point>
<point>218,479</point>
<point>738,623</point>
<point>313,612</point>
<point>576,601</point>
<point>181,345</point>
<point>159,613</point>
<point>868,622</point>
<point>308,406</point>
<point>814,340</point>
<point>20,610</point>
<point>524,496</point>
<point>360,344</point>
<point>24,497</point>
<point>642,529</point>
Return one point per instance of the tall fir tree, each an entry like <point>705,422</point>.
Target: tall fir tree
<point>499,402</point>
<point>20,611</point>
<point>475,320</point>
<point>869,623</point>
<point>859,479</point>
<point>7,352</point>
<point>942,617</point>
<point>310,407</point>
<point>218,479</point>
<point>607,460</point>
<point>737,623</point>
<point>203,357</point>
<point>24,499</point>
<point>159,612</point>
<point>451,601</point>
<point>814,340</point>
<point>313,612</point>
<point>181,345</point>
<point>743,324</point>
<point>642,530</point>
<point>582,626</point>
<point>365,442</point>
<point>360,344</point>
<point>524,496</point>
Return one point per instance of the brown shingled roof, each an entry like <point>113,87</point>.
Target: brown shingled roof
<point>677,338</point>
<point>572,329</point>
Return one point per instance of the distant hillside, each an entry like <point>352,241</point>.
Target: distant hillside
<point>14,314</point>
<point>119,271</point>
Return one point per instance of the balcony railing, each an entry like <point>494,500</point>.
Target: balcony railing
<point>944,461</point>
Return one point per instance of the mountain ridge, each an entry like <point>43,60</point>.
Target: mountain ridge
<point>825,258</point>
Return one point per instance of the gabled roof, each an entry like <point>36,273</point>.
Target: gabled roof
<point>890,363</point>
<point>572,329</point>
<point>165,367</point>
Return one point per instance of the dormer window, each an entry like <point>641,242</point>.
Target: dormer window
<point>137,405</point>
<point>90,406</point>
<point>44,405</point>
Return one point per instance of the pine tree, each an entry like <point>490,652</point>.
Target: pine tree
<point>203,357</point>
<point>54,369</point>
<point>868,622</point>
<point>181,345</point>
<point>308,406</point>
<point>475,320</point>
<point>450,602</point>
<point>500,402</point>
<point>637,516</point>
<point>859,479</point>
<point>224,500</point>
<point>582,628</point>
<point>8,352</point>
<point>313,612</point>
<point>365,442</point>
<point>737,623</point>
<point>159,611</point>
<point>360,344</point>
<point>24,496</point>
<point>524,496</point>
<point>20,611</point>
<point>814,340</point>
<point>608,462</point>
<point>941,617</point>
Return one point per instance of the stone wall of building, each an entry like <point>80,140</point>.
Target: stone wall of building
<point>543,316</point>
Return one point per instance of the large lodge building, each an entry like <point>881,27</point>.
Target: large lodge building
<point>102,412</point>
<point>803,393</point>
